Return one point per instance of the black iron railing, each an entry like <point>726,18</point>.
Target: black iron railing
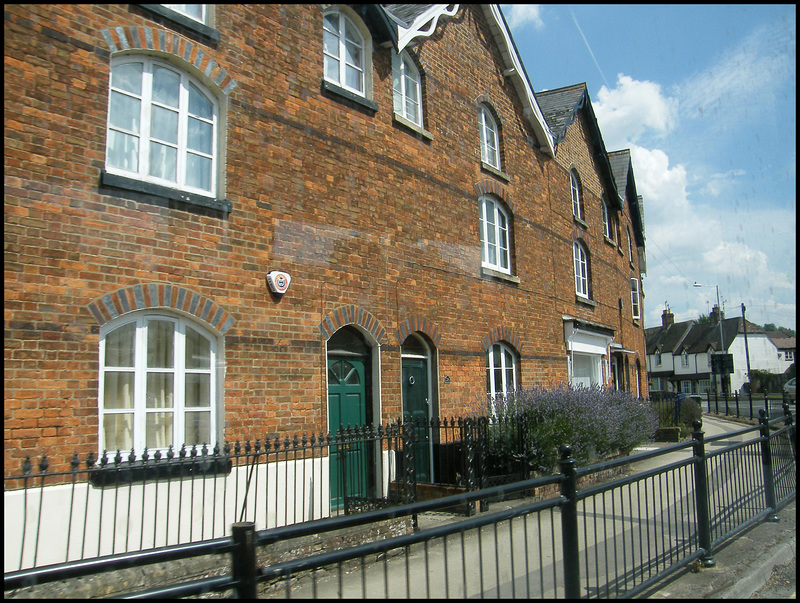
<point>613,539</point>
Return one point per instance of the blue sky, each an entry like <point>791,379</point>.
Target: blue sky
<point>705,99</point>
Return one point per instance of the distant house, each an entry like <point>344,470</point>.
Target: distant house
<point>679,354</point>
<point>787,348</point>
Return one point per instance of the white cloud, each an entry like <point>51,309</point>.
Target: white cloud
<point>719,184</point>
<point>632,108</point>
<point>743,77</point>
<point>520,15</point>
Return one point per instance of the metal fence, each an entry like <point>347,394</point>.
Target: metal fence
<point>614,539</point>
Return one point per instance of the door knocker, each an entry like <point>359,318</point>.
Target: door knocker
<point>411,380</point>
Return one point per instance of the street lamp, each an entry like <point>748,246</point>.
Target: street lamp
<point>721,337</point>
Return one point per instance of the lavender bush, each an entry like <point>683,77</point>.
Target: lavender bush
<point>595,421</point>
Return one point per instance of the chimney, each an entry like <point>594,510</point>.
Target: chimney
<point>714,316</point>
<point>667,318</point>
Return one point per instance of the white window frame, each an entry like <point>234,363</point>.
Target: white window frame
<point>788,355</point>
<point>147,136</point>
<point>575,188</point>
<point>508,364</point>
<point>339,55</point>
<point>181,10</point>
<point>495,235</point>
<point>684,359</point>
<point>405,73</point>
<point>606,222</point>
<point>489,130</point>
<point>140,370</point>
<point>635,310</point>
<point>581,264</point>
<point>658,358</point>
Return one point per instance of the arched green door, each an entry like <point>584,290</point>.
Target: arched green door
<point>347,406</point>
<point>416,408</point>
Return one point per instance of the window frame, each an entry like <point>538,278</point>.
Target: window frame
<point>341,56</point>
<point>488,123</point>
<point>606,219</point>
<point>635,299</point>
<point>146,136</point>
<point>140,370</point>
<point>499,213</point>
<point>576,190</point>
<point>203,20</point>
<point>684,359</point>
<point>580,257</point>
<point>402,64</point>
<point>506,353</point>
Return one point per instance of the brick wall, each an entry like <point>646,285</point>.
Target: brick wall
<point>362,212</point>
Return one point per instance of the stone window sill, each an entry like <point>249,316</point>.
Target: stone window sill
<point>165,192</point>
<point>493,170</point>
<point>338,91</point>
<point>402,121</point>
<point>499,275</point>
<point>208,33</point>
<point>585,301</point>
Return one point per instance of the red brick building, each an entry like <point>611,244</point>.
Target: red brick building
<point>166,168</point>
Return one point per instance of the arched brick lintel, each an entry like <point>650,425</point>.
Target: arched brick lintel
<point>160,295</point>
<point>122,39</point>
<point>352,315</point>
<point>502,334</point>
<point>421,324</point>
<point>492,187</point>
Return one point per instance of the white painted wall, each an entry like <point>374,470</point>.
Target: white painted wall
<point>47,525</point>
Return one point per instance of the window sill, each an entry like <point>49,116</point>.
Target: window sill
<point>493,170</point>
<point>340,92</point>
<point>157,190</point>
<point>138,471</point>
<point>609,241</point>
<point>402,121</point>
<point>585,301</point>
<point>499,275</point>
<point>636,322</point>
<point>208,33</point>
<point>580,222</point>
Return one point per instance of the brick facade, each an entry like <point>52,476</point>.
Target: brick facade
<point>377,224</point>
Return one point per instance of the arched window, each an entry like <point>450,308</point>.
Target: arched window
<point>345,52</point>
<point>490,137</point>
<point>158,383</point>
<point>581,258</point>
<point>163,126</point>
<point>501,371</point>
<point>407,86</point>
<point>495,248</point>
<point>635,299</point>
<point>577,201</point>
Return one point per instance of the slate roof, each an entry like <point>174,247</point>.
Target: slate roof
<point>694,337</point>
<point>622,168</point>
<point>405,13</point>
<point>560,107</point>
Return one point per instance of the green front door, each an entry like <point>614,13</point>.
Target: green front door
<point>416,408</point>
<point>347,406</point>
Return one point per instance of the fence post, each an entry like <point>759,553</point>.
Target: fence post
<point>766,464</point>
<point>244,559</point>
<point>789,422</point>
<point>569,526</point>
<point>408,433</point>
<point>701,494</point>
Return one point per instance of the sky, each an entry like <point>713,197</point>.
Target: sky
<point>704,96</point>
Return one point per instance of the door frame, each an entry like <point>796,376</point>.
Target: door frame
<point>428,357</point>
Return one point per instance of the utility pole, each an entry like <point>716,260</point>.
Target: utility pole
<point>746,351</point>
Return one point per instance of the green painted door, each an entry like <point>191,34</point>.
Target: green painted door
<point>416,409</point>
<point>347,406</point>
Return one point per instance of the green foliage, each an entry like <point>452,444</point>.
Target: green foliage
<point>595,422</point>
<point>765,381</point>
